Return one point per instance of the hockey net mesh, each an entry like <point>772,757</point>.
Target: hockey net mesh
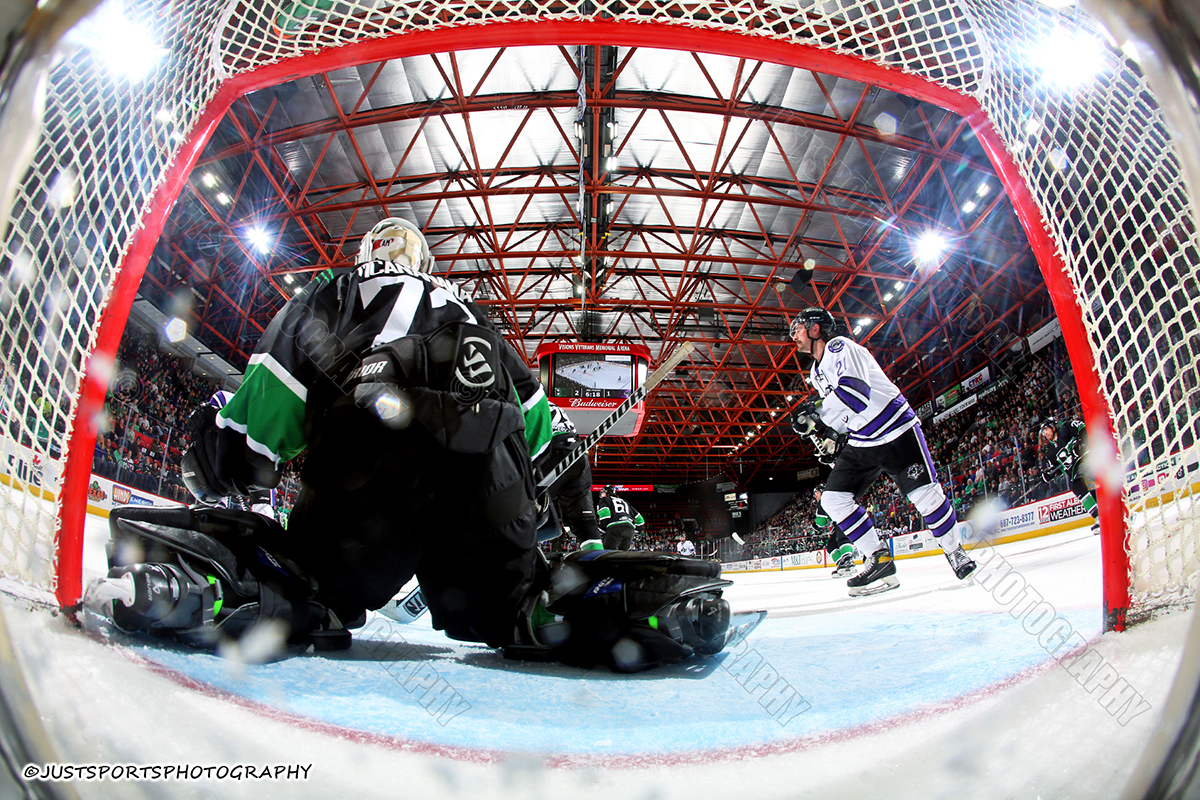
<point>1098,161</point>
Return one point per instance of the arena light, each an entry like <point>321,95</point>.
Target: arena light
<point>127,48</point>
<point>223,198</point>
<point>968,206</point>
<point>930,246</point>
<point>260,239</point>
<point>208,179</point>
<point>1068,60</point>
<point>175,330</point>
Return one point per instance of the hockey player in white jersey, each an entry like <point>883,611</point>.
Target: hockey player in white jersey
<point>883,435</point>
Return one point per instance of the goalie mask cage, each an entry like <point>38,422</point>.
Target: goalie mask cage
<point>1093,175</point>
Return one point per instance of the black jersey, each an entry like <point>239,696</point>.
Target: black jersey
<point>615,511</point>
<point>318,340</point>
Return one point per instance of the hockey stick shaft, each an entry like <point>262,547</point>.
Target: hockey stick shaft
<point>635,397</point>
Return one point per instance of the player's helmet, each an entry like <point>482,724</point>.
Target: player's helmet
<point>609,490</point>
<point>1049,422</point>
<point>813,315</point>
<point>820,487</point>
<point>396,239</point>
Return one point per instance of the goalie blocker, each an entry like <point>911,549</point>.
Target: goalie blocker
<point>203,576</point>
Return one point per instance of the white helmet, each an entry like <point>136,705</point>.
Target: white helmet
<point>396,239</point>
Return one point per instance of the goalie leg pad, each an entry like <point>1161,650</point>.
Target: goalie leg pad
<point>631,611</point>
<point>203,575</point>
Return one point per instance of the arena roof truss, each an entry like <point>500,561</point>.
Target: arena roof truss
<point>624,194</point>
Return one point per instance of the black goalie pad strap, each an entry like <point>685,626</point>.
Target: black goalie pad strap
<point>225,539</point>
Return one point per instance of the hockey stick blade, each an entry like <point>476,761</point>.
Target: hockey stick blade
<point>741,623</point>
<point>635,397</point>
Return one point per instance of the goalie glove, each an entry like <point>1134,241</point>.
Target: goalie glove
<point>220,464</point>
<point>629,611</point>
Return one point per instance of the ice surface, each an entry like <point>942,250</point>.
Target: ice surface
<point>932,690</point>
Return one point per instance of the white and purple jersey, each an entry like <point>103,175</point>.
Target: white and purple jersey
<point>220,398</point>
<point>857,398</point>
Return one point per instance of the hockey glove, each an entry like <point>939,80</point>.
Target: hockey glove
<point>804,425</point>
<point>199,466</point>
<point>806,419</point>
<point>220,464</point>
<point>626,610</point>
<point>828,447</point>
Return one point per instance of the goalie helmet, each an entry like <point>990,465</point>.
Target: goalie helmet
<point>813,315</point>
<point>398,240</point>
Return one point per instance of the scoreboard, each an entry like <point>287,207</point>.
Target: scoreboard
<point>588,381</point>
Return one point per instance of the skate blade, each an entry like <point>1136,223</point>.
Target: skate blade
<point>878,587</point>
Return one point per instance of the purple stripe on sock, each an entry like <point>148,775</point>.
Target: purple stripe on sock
<point>941,521</point>
<point>860,531</point>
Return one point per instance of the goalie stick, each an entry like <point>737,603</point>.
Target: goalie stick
<point>412,605</point>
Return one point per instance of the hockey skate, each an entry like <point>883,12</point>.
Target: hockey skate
<point>960,562</point>
<point>877,575</point>
<point>844,566</point>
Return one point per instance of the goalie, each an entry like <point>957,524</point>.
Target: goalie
<point>864,427</point>
<point>420,425</point>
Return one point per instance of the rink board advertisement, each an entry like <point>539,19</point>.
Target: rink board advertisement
<point>1175,474</point>
<point>26,466</point>
<point>23,466</point>
<point>104,495</point>
<point>1036,519</point>
<point>816,558</point>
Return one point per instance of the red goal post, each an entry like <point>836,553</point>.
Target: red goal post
<point>1115,245</point>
